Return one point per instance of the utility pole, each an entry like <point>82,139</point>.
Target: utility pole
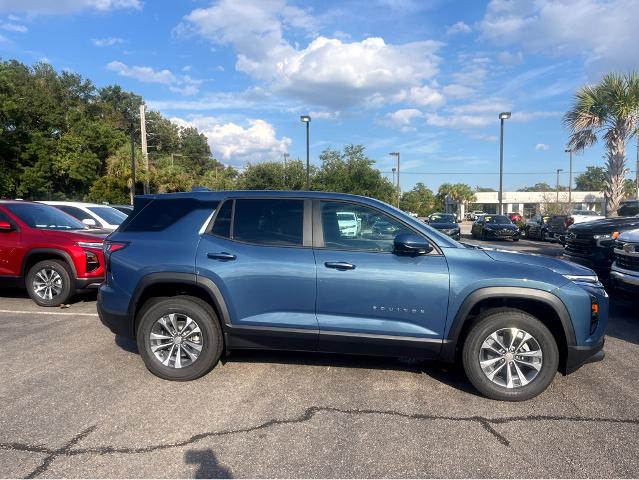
<point>569,150</point>
<point>145,153</point>
<point>559,170</point>
<point>502,116</point>
<point>394,170</point>
<point>307,120</point>
<point>132,161</point>
<point>286,155</point>
<point>396,154</point>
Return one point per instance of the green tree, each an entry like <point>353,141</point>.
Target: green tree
<point>419,200</point>
<point>460,192</point>
<point>273,176</point>
<point>629,189</point>
<point>541,187</point>
<point>351,171</point>
<point>609,109</point>
<point>484,189</point>
<point>592,180</point>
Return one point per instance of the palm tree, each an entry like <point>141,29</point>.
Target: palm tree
<point>609,109</point>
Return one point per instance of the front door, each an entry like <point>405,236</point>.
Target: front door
<point>369,299</point>
<point>258,253</point>
<point>11,249</point>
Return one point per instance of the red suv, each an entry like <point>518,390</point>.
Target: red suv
<point>47,251</point>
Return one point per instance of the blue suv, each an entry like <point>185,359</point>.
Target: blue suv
<point>193,276</point>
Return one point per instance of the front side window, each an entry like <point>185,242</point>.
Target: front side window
<point>75,212</point>
<point>350,226</point>
<point>277,222</point>
<point>44,216</point>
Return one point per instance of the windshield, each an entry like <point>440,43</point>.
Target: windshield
<point>44,217</point>
<point>109,214</point>
<point>497,219</point>
<point>442,218</point>
<point>585,213</point>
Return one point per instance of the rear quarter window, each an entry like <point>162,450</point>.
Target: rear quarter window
<point>160,214</point>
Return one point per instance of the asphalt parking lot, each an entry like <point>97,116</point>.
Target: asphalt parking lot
<point>77,402</point>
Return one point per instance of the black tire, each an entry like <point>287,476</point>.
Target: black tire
<point>483,236</point>
<point>198,310</point>
<point>515,239</point>
<point>504,318</point>
<point>67,288</point>
<point>544,236</point>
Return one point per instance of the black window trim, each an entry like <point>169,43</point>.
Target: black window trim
<point>318,229</point>
<point>307,229</point>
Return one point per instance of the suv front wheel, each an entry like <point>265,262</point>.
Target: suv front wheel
<point>49,283</point>
<point>179,338</point>
<point>510,355</point>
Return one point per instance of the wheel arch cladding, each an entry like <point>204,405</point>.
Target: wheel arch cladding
<point>39,254</point>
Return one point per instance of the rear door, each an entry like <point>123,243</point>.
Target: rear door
<point>369,299</point>
<point>259,254</point>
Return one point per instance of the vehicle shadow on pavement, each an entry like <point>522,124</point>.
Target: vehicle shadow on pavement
<point>126,344</point>
<point>208,464</point>
<point>624,318</point>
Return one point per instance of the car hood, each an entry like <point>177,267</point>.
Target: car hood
<point>78,235</point>
<point>607,225</point>
<point>500,226</point>
<point>443,225</point>
<point>631,236</point>
<point>557,265</point>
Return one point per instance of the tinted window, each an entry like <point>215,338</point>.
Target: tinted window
<point>269,222</point>
<point>222,225</point>
<point>443,218</point>
<point>497,219</point>
<point>74,212</point>
<point>159,214</point>
<point>44,216</point>
<point>350,226</point>
<point>109,214</point>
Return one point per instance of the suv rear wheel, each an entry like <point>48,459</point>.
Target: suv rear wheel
<point>510,355</point>
<point>179,338</point>
<point>49,283</point>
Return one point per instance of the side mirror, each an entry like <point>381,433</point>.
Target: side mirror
<point>89,222</point>
<point>6,227</point>
<point>408,244</point>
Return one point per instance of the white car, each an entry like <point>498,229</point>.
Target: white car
<point>92,215</point>
<point>580,216</point>
<point>349,224</point>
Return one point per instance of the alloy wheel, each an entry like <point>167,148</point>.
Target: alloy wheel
<point>176,340</point>
<point>47,284</point>
<point>510,357</point>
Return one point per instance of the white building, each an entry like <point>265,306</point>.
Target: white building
<point>527,203</point>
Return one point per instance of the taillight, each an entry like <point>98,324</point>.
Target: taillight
<point>109,248</point>
<point>569,221</point>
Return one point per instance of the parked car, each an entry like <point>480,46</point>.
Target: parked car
<point>48,252</point>
<point>536,227</point>
<point>445,223</point>
<point>592,243</point>
<point>491,227</point>
<point>382,228</point>
<point>628,208</point>
<point>92,215</point>
<point>580,216</point>
<point>348,224</point>
<point>126,209</point>
<point>624,273</point>
<point>272,270</point>
<point>515,217</point>
<point>475,214</point>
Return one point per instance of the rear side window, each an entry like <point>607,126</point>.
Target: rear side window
<point>222,225</point>
<point>269,221</point>
<point>160,214</point>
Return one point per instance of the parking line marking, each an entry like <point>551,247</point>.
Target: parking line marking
<point>27,312</point>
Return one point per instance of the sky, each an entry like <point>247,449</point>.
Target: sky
<point>425,78</point>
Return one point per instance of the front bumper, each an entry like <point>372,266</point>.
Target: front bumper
<point>88,283</point>
<point>577,356</point>
<point>624,279</point>
<point>501,235</point>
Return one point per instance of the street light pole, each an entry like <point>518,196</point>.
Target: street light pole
<point>132,161</point>
<point>307,120</point>
<point>396,154</point>
<point>559,170</point>
<point>569,150</point>
<point>286,155</point>
<point>502,116</point>
<point>394,170</point>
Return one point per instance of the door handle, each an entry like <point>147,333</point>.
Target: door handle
<point>339,265</point>
<point>224,256</point>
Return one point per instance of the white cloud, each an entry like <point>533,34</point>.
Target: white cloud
<point>182,84</point>
<point>459,27</point>
<point>14,27</point>
<point>329,71</point>
<point>542,147</point>
<point>423,96</point>
<point>510,58</point>
<point>601,31</point>
<point>236,144</point>
<point>106,42</point>
<point>34,7</point>
<point>402,119</point>
<point>458,91</point>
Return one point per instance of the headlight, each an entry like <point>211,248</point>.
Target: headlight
<point>96,245</point>
<point>606,236</point>
<point>587,279</point>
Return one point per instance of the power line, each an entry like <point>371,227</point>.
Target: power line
<point>487,173</point>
